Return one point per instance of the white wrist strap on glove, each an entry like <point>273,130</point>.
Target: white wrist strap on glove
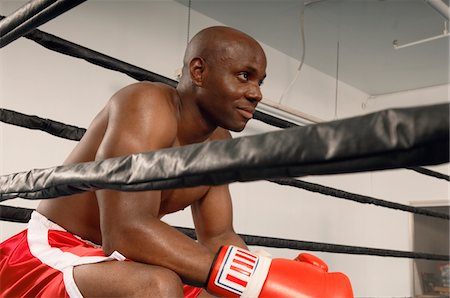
<point>242,272</point>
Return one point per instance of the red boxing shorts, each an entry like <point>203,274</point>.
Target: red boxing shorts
<point>39,261</point>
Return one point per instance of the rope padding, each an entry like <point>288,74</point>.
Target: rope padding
<point>382,140</point>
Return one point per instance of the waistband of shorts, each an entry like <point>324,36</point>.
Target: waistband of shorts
<point>41,219</point>
<point>37,218</point>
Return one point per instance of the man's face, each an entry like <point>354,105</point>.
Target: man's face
<point>232,88</point>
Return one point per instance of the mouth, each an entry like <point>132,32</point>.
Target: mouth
<point>246,113</point>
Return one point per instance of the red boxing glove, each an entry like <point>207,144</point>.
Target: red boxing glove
<point>239,273</point>
<point>313,260</point>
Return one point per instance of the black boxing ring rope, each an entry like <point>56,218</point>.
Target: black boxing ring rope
<point>23,215</point>
<point>75,133</point>
<point>22,15</point>
<point>445,144</point>
<point>384,140</point>
<point>32,15</point>
<point>430,173</point>
<point>59,129</point>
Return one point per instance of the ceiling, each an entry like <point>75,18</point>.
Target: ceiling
<point>350,39</point>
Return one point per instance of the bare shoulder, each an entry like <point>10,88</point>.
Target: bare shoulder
<point>146,93</point>
<point>145,114</point>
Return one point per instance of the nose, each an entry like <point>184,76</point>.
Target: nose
<point>254,93</point>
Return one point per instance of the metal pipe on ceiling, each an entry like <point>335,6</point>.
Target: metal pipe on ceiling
<point>440,7</point>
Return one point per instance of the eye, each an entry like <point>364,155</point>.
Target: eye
<point>261,82</point>
<point>243,76</point>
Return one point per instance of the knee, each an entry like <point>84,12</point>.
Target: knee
<point>161,283</point>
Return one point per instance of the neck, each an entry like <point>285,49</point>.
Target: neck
<point>193,127</point>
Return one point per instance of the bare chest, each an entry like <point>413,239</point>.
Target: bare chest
<point>177,199</point>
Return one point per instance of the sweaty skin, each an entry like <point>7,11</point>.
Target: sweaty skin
<point>218,91</point>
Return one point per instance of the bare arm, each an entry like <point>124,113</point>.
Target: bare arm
<point>213,214</point>
<point>143,119</point>
<point>213,219</point>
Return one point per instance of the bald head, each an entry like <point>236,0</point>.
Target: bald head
<point>214,43</point>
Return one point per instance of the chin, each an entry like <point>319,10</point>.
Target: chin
<point>236,125</point>
<point>237,128</point>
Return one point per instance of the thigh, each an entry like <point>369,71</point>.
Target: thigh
<point>126,279</point>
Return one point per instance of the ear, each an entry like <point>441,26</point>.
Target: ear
<point>197,69</point>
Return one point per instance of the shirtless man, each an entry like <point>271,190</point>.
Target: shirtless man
<point>218,91</point>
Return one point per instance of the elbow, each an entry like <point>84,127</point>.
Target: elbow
<point>114,240</point>
<point>109,245</point>
<point>126,240</point>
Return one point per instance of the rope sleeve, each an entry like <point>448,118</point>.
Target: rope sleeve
<point>44,15</point>
<point>381,140</point>
<point>23,14</point>
<point>50,126</point>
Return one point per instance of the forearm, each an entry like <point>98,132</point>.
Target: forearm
<point>229,238</point>
<point>156,243</point>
